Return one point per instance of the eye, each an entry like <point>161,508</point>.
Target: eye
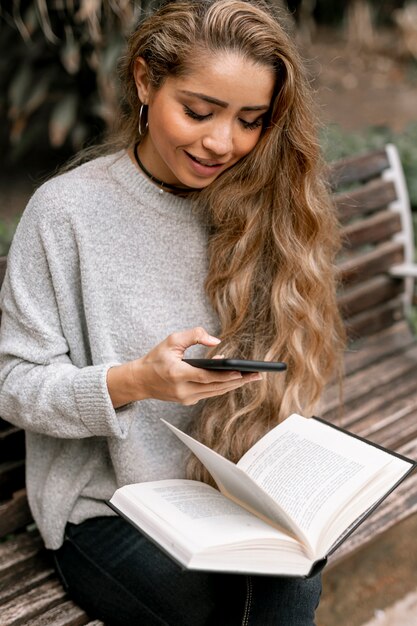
<point>252,125</point>
<point>194,115</point>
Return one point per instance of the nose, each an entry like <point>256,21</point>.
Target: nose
<point>219,139</point>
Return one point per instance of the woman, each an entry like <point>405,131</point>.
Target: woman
<point>211,216</point>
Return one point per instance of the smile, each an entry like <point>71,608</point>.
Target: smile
<point>205,162</point>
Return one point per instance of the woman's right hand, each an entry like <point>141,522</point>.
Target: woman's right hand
<point>163,375</point>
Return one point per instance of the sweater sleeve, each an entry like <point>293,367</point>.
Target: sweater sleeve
<point>41,389</point>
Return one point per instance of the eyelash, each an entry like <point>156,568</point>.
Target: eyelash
<point>246,125</point>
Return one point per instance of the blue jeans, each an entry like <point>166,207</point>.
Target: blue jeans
<point>117,575</point>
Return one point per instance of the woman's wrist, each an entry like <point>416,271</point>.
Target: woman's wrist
<point>124,383</point>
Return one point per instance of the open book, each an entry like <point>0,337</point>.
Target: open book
<point>282,509</point>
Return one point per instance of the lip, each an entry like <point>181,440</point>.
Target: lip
<point>207,168</point>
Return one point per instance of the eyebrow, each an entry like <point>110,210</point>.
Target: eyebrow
<point>221,103</point>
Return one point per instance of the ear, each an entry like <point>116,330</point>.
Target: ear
<point>140,74</point>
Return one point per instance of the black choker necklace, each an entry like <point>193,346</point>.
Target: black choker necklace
<point>158,182</point>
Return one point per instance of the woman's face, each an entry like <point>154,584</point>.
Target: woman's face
<point>203,123</point>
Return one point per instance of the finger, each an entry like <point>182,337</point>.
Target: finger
<point>222,387</point>
<point>215,391</point>
<point>252,376</point>
<point>220,391</point>
<point>207,377</point>
<point>235,377</point>
<point>191,337</point>
<point>249,378</point>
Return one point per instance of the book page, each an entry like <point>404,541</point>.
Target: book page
<point>350,515</point>
<point>202,529</point>
<point>196,513</point>
<point>311,469</point>
<point>236,484</point>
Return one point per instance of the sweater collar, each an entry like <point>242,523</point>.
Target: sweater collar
<point>125,172</point>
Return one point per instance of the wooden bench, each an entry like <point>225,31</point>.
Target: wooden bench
<point>30,592</point>
<point>377,273</point>
<point>380,390</point>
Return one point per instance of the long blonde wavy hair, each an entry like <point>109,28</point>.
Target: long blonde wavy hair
<point>273,230</point>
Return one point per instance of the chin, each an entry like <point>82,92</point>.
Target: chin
<point>195,184</point>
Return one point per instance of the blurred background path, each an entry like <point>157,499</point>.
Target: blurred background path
<point>378,586</point>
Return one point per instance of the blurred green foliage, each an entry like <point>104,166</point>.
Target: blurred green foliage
<point>57,62</point>
<point>7,229</point>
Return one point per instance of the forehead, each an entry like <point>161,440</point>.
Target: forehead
<point>228,76</point>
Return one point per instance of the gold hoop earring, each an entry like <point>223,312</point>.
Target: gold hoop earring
<point>143,120</point>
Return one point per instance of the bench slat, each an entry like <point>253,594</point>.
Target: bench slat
<point>369,294</point>
<point>358,168</point>
<point>377,194</point>
<point>19,550</point>
<point>357,386</point>
<point>65,614</point>
<point>409,449</point>
<point>20,581</point>
<point>19,610</point>
<point>357,268</point>
<point>389,435</point>
<point>25,566</point>
<point>373,424</point>
<point>381,426</point>
<point>374,229</point>
<point>374,320</point>
<point>14,513</point>
<point>376,347</point>
<point>376,404</point>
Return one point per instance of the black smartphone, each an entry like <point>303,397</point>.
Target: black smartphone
<point>238,365</point>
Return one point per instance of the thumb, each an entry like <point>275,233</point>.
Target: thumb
<point>193,336</point>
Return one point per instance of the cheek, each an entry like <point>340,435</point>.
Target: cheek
<point>247,141</point>
<point>174,131</point>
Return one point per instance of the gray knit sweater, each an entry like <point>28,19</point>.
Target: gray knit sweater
<point>102,268</point>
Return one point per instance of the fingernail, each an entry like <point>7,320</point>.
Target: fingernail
<point>215,339</point>
<point>256,377</point>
